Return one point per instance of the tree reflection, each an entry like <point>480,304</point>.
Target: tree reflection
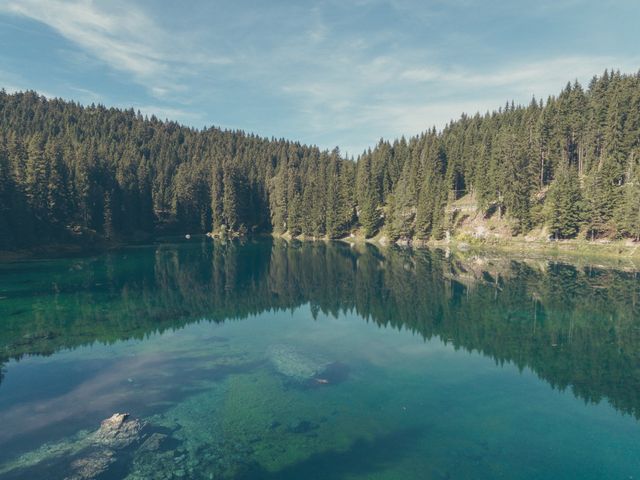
<point>575,327</point>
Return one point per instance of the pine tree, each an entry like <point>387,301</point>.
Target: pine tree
<point>564,202</point>
<point>332,195</point>
<point>36,174</point>
<point>347,214</point>
<point>6,187</point>
<point>233,211</point>
<point>107,225</point>
<point>217,195</point>
<point>515,179</point>
<point>630,221</point>
<point>367,196</point>
<point>58,202</point>
<point>278,199</point>
<point>17,154</point>
<point>601,202</point>
<point>628,215</point>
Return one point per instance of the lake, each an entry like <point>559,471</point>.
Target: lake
<point>268,359</point>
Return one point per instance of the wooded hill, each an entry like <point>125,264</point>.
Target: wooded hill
<point>569,163</point>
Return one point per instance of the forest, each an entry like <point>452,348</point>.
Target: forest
<point>73,173</point>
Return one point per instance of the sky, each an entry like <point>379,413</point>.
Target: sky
<point>330,73</point>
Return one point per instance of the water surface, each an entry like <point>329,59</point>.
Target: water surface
<point>275,360</point>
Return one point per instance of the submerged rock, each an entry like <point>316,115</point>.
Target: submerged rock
<point>118,431</point>
<point>92,466</point>
<point>295,365</point>
<point>153,443</point>
<point>87,455</point>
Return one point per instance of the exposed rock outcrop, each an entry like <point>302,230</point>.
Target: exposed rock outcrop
<point>88,455</point>
<point>118,431</point>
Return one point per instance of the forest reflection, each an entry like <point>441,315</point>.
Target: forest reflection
<point>577,328</point>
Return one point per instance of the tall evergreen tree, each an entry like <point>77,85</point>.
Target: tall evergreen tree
<point>565,208</point>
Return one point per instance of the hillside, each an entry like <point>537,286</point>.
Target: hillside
<point>562,168</point>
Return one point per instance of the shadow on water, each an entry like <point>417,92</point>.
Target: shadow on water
<point>364,457</point>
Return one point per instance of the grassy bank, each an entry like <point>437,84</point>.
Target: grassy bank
<point>619,254</point>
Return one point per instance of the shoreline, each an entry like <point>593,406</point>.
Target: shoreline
<point>614,255</point>
<point>619,251</point>
<point>571,251</point>
<point>613,250</point>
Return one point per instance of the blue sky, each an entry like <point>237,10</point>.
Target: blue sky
<point>330,73</point>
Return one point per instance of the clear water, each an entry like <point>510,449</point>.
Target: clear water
<point>427,367</point>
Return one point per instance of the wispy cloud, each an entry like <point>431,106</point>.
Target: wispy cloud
<point>391,96</point>
<point>121,35</point>
<point>339,73</point>
<point>86,95</point>
<point>10,82</point>
<point>181,115</point>
<point>534,76</point>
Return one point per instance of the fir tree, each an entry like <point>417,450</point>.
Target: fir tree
<point>565,209</point>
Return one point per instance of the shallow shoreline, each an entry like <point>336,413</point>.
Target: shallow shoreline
<point>615,250</point>
<point>575,253</point>
<point>572,251</point>
<point>622,252</point>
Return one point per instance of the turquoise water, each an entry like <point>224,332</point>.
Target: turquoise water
<point>275,360</point>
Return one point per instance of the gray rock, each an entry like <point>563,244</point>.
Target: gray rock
<point>118,432</point>
<point>87,456</point>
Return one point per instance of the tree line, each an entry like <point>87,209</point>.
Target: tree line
<point>71,172</point>
<point>570,164</point>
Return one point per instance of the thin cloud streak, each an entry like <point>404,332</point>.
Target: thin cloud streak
<point>390,98</point>
<point>123,37</point>
<point>337,74</point>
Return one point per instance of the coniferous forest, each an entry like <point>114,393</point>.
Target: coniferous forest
<point>569,164</point>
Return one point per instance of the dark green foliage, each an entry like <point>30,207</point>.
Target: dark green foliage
<point>628,216</point>
<point>368,196</point>
<point>515,180</point>
<point>68,171</point>
<point>234,199</point>
<point>6,193</point>
<point>581,143</point>
<point>432,195</point>
<point>565,207</point>
<point>217,192</point>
